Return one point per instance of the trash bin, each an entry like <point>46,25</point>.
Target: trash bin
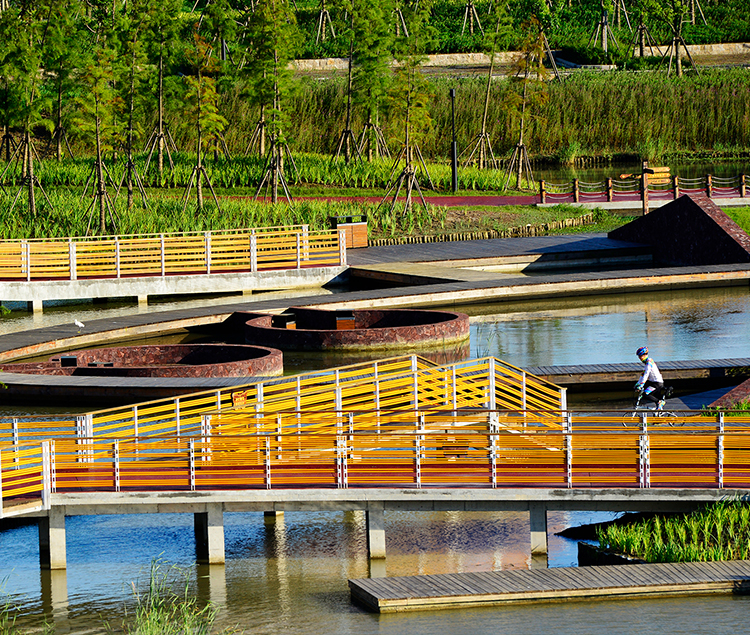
<point>355,229</point>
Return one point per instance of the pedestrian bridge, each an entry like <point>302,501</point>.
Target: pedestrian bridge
<point>38,270</point>
<point>401,433</point>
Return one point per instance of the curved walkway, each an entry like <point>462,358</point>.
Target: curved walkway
<point>433,273</point>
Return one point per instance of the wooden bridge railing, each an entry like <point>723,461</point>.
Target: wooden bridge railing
<point>197,253</point>
<point>431,449</point>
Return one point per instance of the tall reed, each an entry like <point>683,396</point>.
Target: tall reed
<point>718,532</point>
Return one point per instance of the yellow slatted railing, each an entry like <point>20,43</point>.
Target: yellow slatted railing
<point>431,452</point>
<point>225,251</point>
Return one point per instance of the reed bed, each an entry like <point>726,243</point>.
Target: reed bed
<point>717,532</point>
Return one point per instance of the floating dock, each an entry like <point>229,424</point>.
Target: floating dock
<point>492,588</point>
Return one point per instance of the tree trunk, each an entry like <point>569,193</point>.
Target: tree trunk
<point>131,107</point>
<point>100,189</point>
<point>160,134</point>
<point>32,194</point>
<point>58,149</point>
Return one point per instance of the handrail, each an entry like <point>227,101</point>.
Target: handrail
<point>433,448</point>
<point>161,255</point>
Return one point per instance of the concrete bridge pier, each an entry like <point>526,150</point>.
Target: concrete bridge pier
<point>209,534</point>
<point>212,583</point>
<point>375,521</point>
<point>52,539</point>
<point>538,527</point>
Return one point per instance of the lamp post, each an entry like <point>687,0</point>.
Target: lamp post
<point>454,148</point>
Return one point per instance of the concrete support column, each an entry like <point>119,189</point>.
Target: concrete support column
<point>375,521</point>
<point>143,300</point>
<point>52,539</point>
<point>34,306</point>
<point>270,518</point>
<point>209,534</point>
<point>538,523</point>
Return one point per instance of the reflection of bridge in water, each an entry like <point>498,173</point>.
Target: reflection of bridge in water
<point>397,434</point>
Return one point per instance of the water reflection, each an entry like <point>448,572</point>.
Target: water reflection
<point>676,325</point>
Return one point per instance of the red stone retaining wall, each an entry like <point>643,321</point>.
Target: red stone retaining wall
<point>181,360</point>
<point>316,329</point>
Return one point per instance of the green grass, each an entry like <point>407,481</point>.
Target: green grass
<point>717,532</point>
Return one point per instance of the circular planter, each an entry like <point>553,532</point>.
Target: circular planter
<point>304,329</point>
<point>180,360</point>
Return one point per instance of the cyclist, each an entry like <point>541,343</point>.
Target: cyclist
<point>651,383</point>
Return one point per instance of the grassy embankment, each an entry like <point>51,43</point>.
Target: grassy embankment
<point>717,532</point>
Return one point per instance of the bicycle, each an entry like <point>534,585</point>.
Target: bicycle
<point>649,407</point>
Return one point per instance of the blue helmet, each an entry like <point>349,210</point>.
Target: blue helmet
<point>642,351</point>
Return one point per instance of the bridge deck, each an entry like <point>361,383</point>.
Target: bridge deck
<point>576,375</point>
<point>487,588</point>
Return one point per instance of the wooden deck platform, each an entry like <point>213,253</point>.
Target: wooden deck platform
<point>585,376</point>
<point>489,588</point>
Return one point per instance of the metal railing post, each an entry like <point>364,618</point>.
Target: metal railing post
<point>644,459</point>
<point>27,253</point>
<point>253,253</point>
<point>720,451</point>
<point>268,463</point>
<point>116,464</point>
<point>46,475</point>
<point>191,463</point>
<point>299,251</point>
<point>493,400</point>
<point>207,236</point>
<point>177,417</point>
<point>569,458</point>
<point>342,247</point>
<point>72,259</point>
<point>117,256</point>
<point>162,256</point>
<point>418,456</point>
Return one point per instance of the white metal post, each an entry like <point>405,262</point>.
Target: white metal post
<point>27,251</point>
<point>116,462</point>
<point>46,476</point>
<point>253,253</point>
<point>299,251</point>
<point>117,256</point>
<point>72,259</point>
<point>720,451</point>
<point>342,248</point>
<point>1,483</point>
<point>208,251</point>
<point>192,465</point>
<point>493,400</point>
<point>163,256</point>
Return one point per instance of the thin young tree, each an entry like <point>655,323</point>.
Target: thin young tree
<point>203,109</point>
<point>480,153</point>
<point>62,50</point>
<point>409,100</point>
<point>370,71</point>
<point>98,107</point>
<point>162,36</point>
<point>131,27</point>
<point>21,28</point>
<point>672,14</point>
<point>275,39</point>
<point>529,93</point>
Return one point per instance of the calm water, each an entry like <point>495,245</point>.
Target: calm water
<point>292,577</point>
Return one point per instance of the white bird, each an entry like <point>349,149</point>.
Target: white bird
<point>79,324</point>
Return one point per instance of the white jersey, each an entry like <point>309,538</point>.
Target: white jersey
<point>651,373</point>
